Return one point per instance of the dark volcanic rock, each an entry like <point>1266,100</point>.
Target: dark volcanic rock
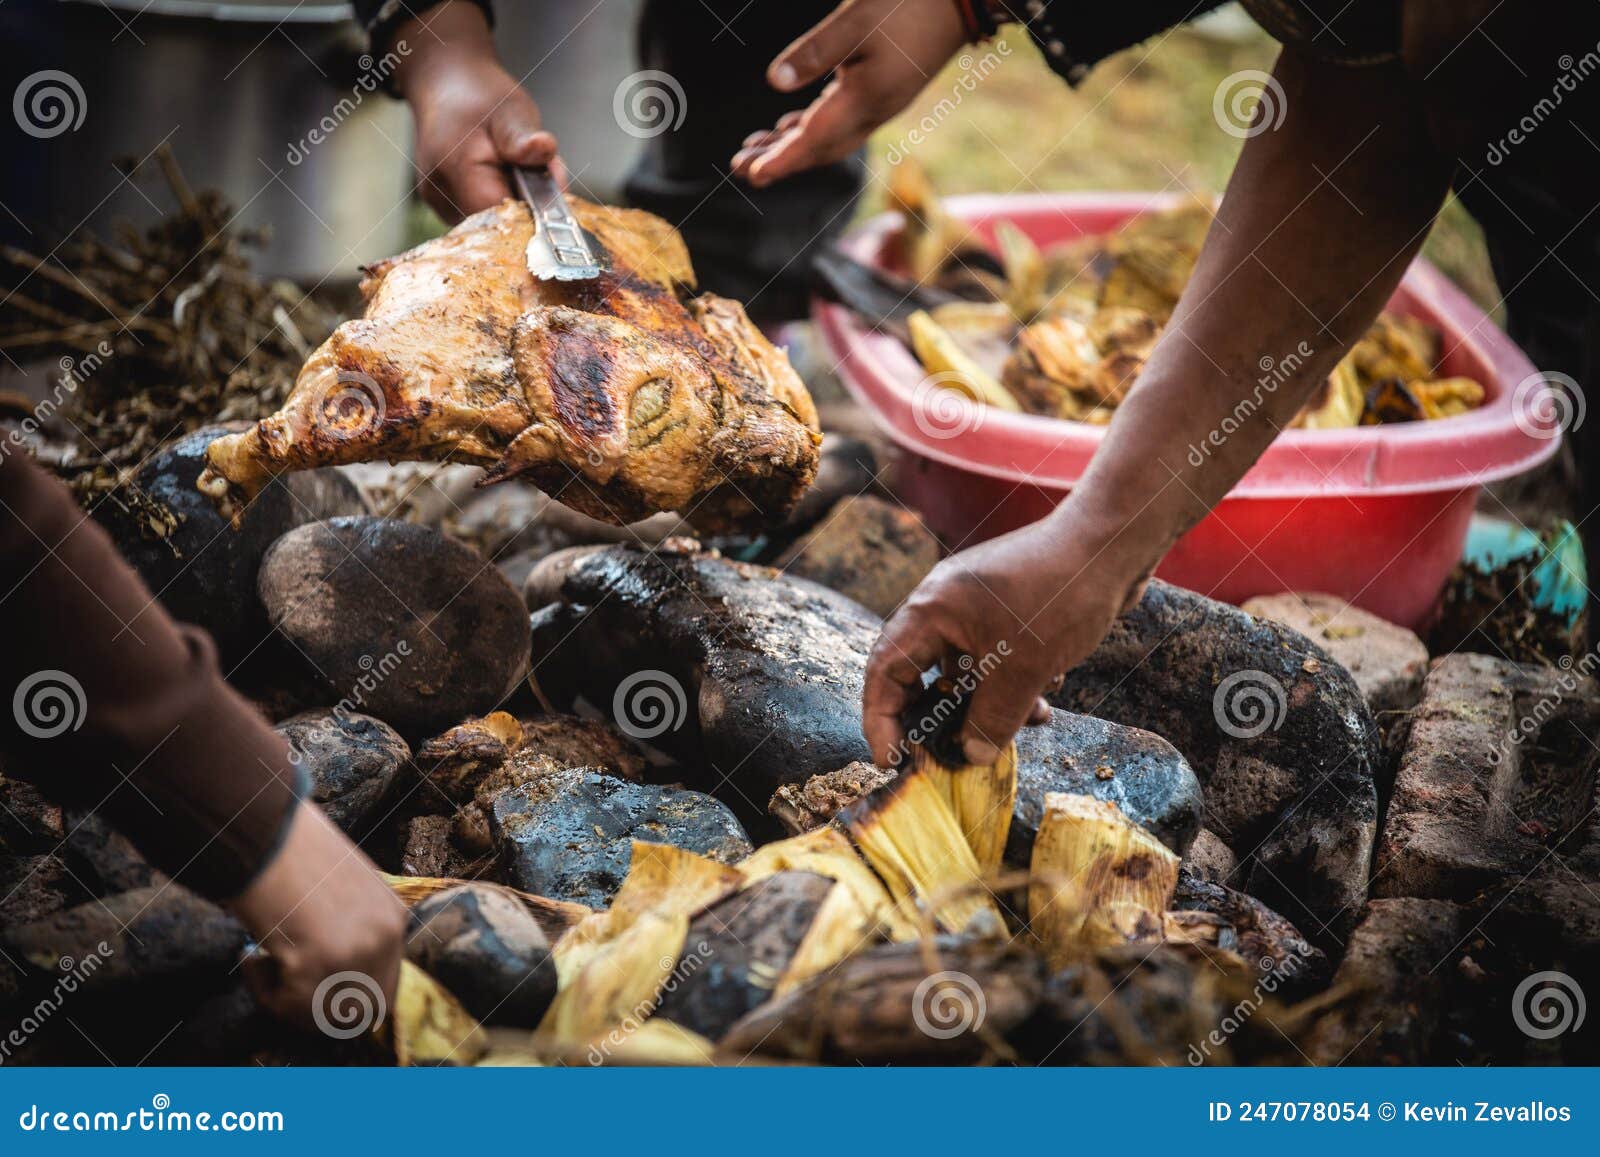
<point>29,823</point>
<point>103,857</point>
<point>737,949</point>
<point>1278,733</point>
<point>1395,968</point>
<point>1208,858</point>
<point>398,620</point>
<point>352,761</point>
<point>146,935</point>
<point>752,678</point>
<point>1141,773</point>
<point>873,551</point>
<point>430,850</point>
<point>1388,662</point>
<point>482,945</point>
<point>32,887</point>
<point>204,572</point>
<point>568,834</point>
<point>847,467</point>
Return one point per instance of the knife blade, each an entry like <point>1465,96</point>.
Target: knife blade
<point>560,249</point>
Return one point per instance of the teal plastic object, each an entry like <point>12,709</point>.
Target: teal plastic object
<point>1559,582</point>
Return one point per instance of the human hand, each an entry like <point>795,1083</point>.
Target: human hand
<point>1014,612</point>
<point>881,52</point>
<point>317,909</point>
<point>472,117</point>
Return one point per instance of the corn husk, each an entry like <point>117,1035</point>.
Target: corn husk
<point>840,929</point>
<point>1342,403</point>
<point>1024,270</point>
<point>618,985</point>
<point>942,356</point>
<point>827,852</point>
<point>912,840</point>
<point>1098,879</point>
<point>981,797</point>
<point>428,1025</point>
<point>656,1042</point>
<point>661,879</point>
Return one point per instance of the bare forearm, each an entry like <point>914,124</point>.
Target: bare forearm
<point>1320,220</point>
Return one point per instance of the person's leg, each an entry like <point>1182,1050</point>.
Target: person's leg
<point>754,245</point>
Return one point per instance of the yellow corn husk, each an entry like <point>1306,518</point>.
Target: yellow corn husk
<point>981,797</point>
<point>1342,402</point>
<point>929,236</point>
<point>983,329</point>
<point>428,1025</point>
<point>910,837</point>
<point>942,356</point>
<point>655,1042</point>
<point>828,852</point>
<point>1024,269</point>
<point>618,985</point>
<point>661,879</point>
<point>1448,397</point>
<point>1098,878</point>
<point>555,917</point>
<point>510,1049</point>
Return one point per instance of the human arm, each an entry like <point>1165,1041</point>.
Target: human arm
<point>473,118</point>
<point>1320,219</point>
<point>108,705</point>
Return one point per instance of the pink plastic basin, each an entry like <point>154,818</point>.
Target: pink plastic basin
<point>1376,514</point>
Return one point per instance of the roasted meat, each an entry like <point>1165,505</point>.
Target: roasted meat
<point>623,396</point>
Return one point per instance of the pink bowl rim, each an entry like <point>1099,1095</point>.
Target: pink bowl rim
<point>877,368</point>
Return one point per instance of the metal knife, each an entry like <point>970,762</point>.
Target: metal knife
<point>560,249</point>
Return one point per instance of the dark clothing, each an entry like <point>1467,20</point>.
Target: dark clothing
<point>753,245</point>
<point>106,704</point>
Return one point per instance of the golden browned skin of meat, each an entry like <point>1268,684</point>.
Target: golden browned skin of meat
<point>622,397</point>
